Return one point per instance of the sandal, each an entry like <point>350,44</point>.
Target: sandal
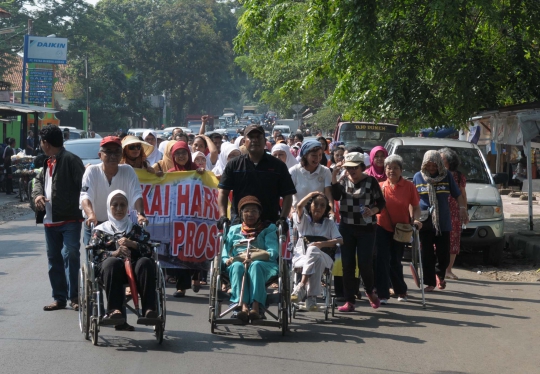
<point>196,287</point>
<point>171,280</point>
<point>54,306</point>
<point>451,276</point>
<point>441,284</point>
<point>74,304</point>
<point>429,289</point>
<point>124,327</point>
<point>253,315</point>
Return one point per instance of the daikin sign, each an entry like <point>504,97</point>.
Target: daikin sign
<point>46,50</point>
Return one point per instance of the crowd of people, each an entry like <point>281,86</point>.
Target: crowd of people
<point>324,193</point>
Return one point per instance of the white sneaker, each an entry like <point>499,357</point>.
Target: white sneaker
<point>311,304</point>
<point>384,301</point>
<point>402,298</point>
<point>298,293</point>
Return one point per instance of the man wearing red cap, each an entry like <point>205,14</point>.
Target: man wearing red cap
<point>101,179</point>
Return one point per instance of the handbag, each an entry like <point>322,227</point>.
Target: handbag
<point>402,231</point>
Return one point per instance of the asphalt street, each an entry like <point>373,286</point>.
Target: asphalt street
<point>474,326</point>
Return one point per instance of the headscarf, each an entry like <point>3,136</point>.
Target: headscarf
<point>291,161</point>
<point>374,170</point>
<point>309,145</point>
<point>113,226</point>
<point>167,162</point>
<point>251,232</point>
<point>238,140</point>
<point>196,154</point>
<point>156,155</point>
<point>162,146</point>
<point>435,157</point>
<point>226,149</point>
<point>190,165</point>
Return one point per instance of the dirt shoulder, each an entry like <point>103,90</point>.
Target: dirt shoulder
<point>12,210</point>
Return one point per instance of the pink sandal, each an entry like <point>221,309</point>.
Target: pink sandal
<point>373,300</point>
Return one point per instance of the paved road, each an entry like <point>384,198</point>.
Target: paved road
<point>475,326</point>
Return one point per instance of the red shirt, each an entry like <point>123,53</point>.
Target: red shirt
<point>398,198</point>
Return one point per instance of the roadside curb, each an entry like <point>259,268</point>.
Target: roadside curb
<point>529,243</point>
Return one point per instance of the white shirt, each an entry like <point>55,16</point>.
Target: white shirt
<point>96,188</point>
<point>306,182</point>
<point>306,227</point>
<point>49,172</point>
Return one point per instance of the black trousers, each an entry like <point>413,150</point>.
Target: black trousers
<point>9,183</point>
<point>113,273</point>
<point>184,277</point>
<point>389,269</point>
<point>430,255</point>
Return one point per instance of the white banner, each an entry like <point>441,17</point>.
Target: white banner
<point>46,50</point>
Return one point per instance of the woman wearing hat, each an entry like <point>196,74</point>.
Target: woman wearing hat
<point>262,239</point>
<point>360,199</point>
<point>134,152</point>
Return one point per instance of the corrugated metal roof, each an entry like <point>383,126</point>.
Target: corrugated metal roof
<point>24,108</point>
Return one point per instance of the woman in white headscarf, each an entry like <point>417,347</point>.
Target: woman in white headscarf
<point>239,141</point>
<point>119,238</point>
<point>228,152</point>
<point>150,137</point>
<point>283,152</point>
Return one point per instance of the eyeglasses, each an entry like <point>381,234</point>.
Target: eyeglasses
<point>352,167</point>
<point>133,147</point>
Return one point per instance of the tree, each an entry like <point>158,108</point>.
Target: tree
<point>428,63</point>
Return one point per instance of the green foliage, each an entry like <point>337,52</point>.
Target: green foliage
<point>428,63</point>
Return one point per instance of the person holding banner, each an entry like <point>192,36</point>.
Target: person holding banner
<point>181,156</point>
<point>262,265</point>
<point>134,153</point>
<point>101,179</point>
<point>165,164</point>
<point>256,174</point>
<point>119,239</point>
<point>150,137</point>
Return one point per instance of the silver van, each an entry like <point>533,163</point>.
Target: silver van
<point>485,230</point>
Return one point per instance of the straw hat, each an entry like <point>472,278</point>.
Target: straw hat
<point>130,139</point>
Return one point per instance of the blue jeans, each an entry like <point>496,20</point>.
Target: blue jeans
<point>360,244</point>
<point>63,245</point>
<point>389,267</point>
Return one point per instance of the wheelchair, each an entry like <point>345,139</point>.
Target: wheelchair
<point>329,296</point>
<point>217,297</point>
<point>91,305</point>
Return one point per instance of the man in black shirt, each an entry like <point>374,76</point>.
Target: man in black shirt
<point>257,174</point>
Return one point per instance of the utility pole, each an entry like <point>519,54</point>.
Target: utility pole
<point>87,94</point>
<point>24,116</point>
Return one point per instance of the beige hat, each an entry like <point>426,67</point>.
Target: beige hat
<point>130,139</point>
<point>353,159</point>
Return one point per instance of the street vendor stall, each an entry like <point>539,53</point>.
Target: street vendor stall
<point>517,125</point>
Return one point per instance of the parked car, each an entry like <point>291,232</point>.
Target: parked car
<point>485,230</point>
<point>86,149</point>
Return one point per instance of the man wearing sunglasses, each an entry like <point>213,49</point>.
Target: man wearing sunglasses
<point>101,179</point>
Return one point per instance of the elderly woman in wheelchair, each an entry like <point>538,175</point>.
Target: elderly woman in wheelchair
<point>317,239</point>
<point>250,257</point>
<point>116,240</point>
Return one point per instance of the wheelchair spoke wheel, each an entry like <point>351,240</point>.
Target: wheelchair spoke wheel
<point>84,304</point>
<point>94,332</point>
<point>159,332</point>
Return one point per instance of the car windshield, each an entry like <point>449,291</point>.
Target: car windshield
<point>471,163</point>
<point>84,150</point>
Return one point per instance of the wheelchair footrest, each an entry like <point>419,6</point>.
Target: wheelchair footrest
<point>112,321</point>
<point>149,321</point>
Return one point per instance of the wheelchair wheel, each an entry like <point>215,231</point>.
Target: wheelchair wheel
<point>285,299</point>
<point>84,304</point>
<point>213,290</point>
<point>333,307</point>
<point>326,314</point>
<point>160,328</point>
<point>212,323</point>
<point>94,331</point>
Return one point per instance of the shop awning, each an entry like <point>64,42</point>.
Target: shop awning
<point>13,109</point>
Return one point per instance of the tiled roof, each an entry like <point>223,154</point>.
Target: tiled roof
<point>14,76</point>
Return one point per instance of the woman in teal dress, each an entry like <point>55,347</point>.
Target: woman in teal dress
<point>262,265</point>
